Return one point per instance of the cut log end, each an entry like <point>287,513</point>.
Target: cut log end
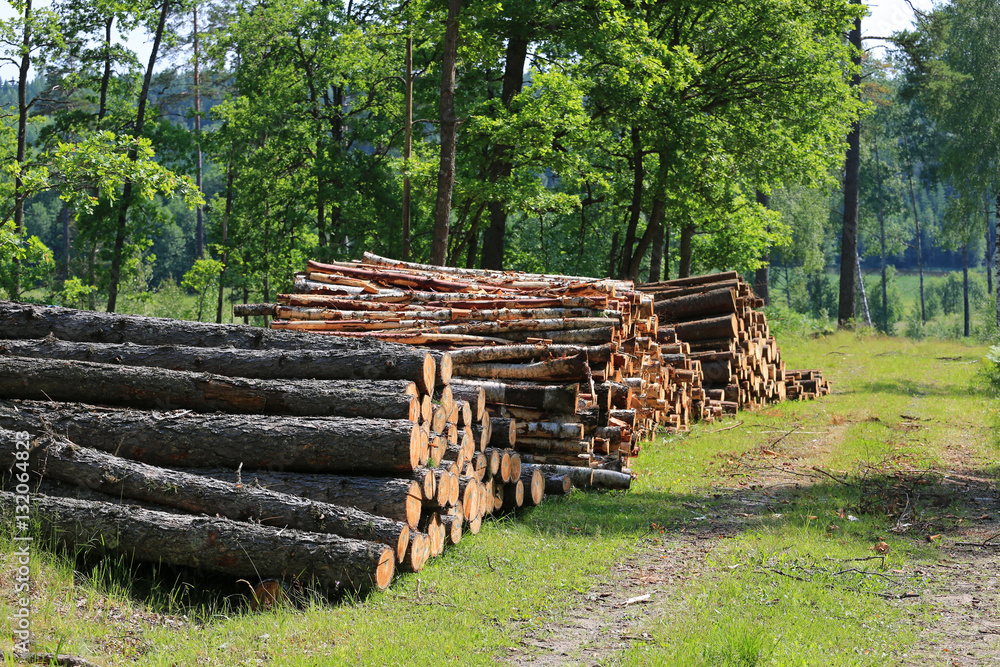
<point>418,553</point>
<point>414,503</point>
<point>385,569</point>
<point>445,368</point>
<point>428,374</point>
<point>403,543</point>
<point>418,446</point>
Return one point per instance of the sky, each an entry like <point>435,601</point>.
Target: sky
<point>886,17</point>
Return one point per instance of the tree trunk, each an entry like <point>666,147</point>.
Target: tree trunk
<point>849,273</point>
<point>346,445</point>
<point>613,255</point>
<point>884,324</point>
<point>225,239</point>
<point>654,224</point>
<point>66,462</point>
<point>762,277</point>
<point>656,254</point>
<point>157,388</point>
<point>635,208</point>
<point>716,327</point>
<point>126,198</point>
<point>233,548</point>
<point>684,266</point>
<point>407,147</point>
<point>864,295</point>
<point>494,238</point>
<point>996,256</point>
<point>988,259</point>
<point>965,286</point>
<point>399,499</point>
<point>22,138</point>
<point>233,362</point>
<point>449,128</point>
<point>920,253</point>
<point>199,214</point>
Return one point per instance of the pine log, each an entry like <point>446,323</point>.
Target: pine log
<point>453,527</point>
<point>19,321</point>
<point>695,306</point>
<point>556,399</point>
<point>63,461</point>
<point>427,478</point>
<point>534,486</point>
<point>711,328</point>
<point>399,499</point>
<point>160,388</point>
<point>232,362</point>
<point>594,478</point>
<point>691,280</point>
<point>403,302</point>
<point>185,439</point>
<point>509,353</point>
<point>544,429</point>
<point>220,545</point>
<point>417,553</point>
<point>556,485</point>
<point>554,370</point>
<point>513,496</point>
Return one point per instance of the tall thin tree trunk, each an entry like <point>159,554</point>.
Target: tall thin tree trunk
<point>199,213</point>
<point>920,253</point>
<point>656,253</point>
<point>989,244</point>
<point>849,273</point>
<point>494,238</point>
<point>965,284</point>
<point>613,256</point>
<point>655,222</point>
<point>102,107</point>
<point>996,255</point>
<point>22,139</point>
<point>635,208</point>
<point>884,324</point>
<point>225,238</point>
<point>684,265</point>
<point>666,251</point>
<point>449,130</point>
<point>140,119</point>
<point>762,277</point>
<point>407,148</point>
<point>67,244</point>
<point>788,290</point>
<point>864,293</point>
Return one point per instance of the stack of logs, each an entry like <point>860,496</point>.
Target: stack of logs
<point>578,370</point>
<point>251,452</point>
<point>716,318</point>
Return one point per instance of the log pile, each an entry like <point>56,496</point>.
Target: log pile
<point>246,451</point>
<point>580,371</point>
<point>714,320</point>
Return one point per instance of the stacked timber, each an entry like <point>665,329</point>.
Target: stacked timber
<point>714,321</point>
<point>335,460</point>
<point>571,366</point>
<point>801,385</point>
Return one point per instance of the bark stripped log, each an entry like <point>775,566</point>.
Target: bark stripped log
<point>234,548</point>
<point>188,440</point>
<point>107,384</point>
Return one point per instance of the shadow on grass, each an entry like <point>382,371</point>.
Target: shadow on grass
<point>906,387</point>
<point>882,502</point>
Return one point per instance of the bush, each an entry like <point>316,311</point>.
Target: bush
<point>990,370</point>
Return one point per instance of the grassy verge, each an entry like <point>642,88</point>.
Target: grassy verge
<point>779,582</point>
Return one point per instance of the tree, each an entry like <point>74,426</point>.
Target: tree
<point>849,274</point>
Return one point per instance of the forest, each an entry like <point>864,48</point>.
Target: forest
<point>642,139</point>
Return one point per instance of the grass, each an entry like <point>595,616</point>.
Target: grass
<point>777,580</point>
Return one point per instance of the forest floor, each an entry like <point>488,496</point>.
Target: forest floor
<point>859,529</point>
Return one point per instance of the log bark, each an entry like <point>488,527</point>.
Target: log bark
<point>399,499</point>
<point>107,384</point>
<point>534,486</point>
<point>584,478</point>
<point>715,302</point>
<point>594,354</point>
<point>232,362</point>
<point>716,327</point>
<point>555,485</point>
<point>61,460</point>
<point>183,439</point>
<point>556,399</point>
<point>219,545</point>
<point>554,370</point>
<point>18,321</point>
